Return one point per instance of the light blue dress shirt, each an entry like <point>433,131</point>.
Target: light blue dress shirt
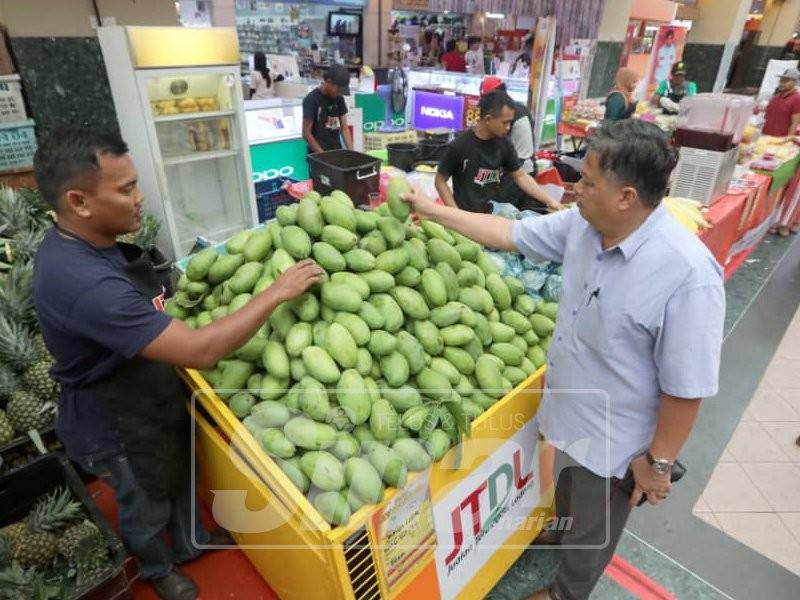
<point>636,320</point>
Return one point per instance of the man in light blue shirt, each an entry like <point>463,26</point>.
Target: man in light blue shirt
<point>637,340</point>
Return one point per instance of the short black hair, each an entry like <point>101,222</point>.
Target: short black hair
<point>493,103</point>
<point>635,153</point>
<point>450,46</point>
<point>69,155</point>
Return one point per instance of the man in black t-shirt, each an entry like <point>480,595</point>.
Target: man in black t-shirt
<point>324,113</point>
<point>479,159</point>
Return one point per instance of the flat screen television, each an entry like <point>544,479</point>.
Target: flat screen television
<point>344,24</point>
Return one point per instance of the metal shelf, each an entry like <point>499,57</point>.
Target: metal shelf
<point>194,115</point>
<point>179,160</point>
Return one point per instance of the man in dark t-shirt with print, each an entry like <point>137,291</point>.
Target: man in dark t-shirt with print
<point>325,113</point>
<point>479,159</point>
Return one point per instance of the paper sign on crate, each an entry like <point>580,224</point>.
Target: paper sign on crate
<point>403,531</point>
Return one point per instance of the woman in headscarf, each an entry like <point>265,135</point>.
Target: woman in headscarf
<point>619,102</point>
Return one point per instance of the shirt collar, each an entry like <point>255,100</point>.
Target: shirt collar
<point>629,246</point>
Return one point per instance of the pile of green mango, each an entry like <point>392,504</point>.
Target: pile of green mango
<point>377,370</point>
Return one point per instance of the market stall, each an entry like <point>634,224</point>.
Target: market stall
<point>435,440</point>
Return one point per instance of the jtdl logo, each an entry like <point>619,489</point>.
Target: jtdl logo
<point>376,125</point>
<point>432,111</point>
<point>270,174</point>
<point>507,478</point>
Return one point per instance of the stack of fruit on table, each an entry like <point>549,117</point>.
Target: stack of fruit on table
<point>380,368</point>
<point>27,393</point>
<point>53,551</point>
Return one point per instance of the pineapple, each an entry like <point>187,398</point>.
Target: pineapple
<point>69,542</point>
<point>36,549</point>
<point>25,245</point>
<point>16,345</point>
<point>85,547</point>
<point>38,545</point>
<point>26,412</point>
<point>8,382</point>
<point>41,348</point>
<point>16,214</point>
<point>14,531</point>
<point>16,295</point>
<point>6,550</point>
<point>6,430</point>
<point>37,380</point>
<point>92,561</point>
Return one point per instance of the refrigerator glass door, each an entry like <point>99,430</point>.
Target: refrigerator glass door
<point>202,154</point>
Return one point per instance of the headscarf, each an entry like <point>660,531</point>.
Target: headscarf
<point>624,82</point>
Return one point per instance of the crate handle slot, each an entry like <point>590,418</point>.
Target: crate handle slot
<point>372,171</point>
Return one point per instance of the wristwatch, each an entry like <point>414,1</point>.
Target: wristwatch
<point>660,466</point>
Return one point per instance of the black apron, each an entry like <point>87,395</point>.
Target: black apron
<point>676,95</point>
<point>146,398</point>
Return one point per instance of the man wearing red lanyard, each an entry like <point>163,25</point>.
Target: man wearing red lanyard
<point>783,111</point>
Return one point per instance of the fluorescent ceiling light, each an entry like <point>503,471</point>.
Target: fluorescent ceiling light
<point>495,15</point>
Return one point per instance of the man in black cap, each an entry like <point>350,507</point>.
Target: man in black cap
<point>671,91</point>
<point>325,113</point>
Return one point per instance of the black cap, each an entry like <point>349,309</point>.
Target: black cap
<point>340,76</point>
<point>679,68</point>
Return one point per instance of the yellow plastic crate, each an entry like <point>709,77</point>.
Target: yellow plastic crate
<point>378,140</point>
<point>306,558</point>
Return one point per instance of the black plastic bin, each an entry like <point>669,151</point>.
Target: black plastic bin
<point>20,489</point>
<point>354,173</point>
<point>402,155</point>
<point>431,149</point>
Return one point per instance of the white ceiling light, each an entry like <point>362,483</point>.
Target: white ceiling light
<point>495,15</point>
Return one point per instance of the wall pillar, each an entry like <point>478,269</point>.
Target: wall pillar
<point>777,27</point>
<point>711,45</point>
<point>610,39</point>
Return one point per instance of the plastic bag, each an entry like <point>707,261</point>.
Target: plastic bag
<point>552,288</point>
<point>533,280</point>
<point>504,209</point>
<point>424,182</point>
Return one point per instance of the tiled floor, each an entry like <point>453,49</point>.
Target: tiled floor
<point>754,493</point>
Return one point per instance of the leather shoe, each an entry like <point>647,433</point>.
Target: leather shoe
<point>220,537</point>
<point>175,586</point>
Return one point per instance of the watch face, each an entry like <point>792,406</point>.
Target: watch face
<point>661,466</point>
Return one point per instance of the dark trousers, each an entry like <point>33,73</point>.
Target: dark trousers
<point>584,496</point>
<point>144,520</point>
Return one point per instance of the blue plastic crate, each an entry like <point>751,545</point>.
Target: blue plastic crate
<point>270,195</point>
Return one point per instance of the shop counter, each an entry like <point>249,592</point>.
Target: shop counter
<point>731,214</point>
<point>782,175</point>
<point>576,133</point>
<point>725,217</point>
<point>439,536</point>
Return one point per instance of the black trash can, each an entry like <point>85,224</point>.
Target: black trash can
<point>431,149</point>
<point>402,155</point>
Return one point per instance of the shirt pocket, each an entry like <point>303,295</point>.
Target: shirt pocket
<point>596,325</point>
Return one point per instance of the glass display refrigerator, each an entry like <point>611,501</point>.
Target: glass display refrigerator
<point>180,109</point>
